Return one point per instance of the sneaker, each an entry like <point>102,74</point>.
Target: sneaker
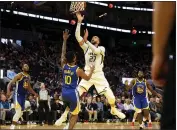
<point>150,124</point>
<point>145,123</point>
<point>133,124</point>
<point>12,127</point>
<point>66,127</point>
<point>141,126</point>
<point>115,112</point>
<point>61,120</point>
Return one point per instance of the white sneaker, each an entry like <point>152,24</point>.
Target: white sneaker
<point>12,127</point>
<point>61,120</point>
<point>114,111</point>
<point>66,127</point>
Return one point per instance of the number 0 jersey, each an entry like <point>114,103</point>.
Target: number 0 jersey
<point>70,78</point>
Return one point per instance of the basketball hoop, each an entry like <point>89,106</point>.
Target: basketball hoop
<point>77,7</point>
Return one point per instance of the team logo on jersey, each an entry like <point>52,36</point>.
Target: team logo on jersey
<point>140,89</point>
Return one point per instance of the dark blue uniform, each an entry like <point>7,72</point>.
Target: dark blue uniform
<point>21,91</point>
<point>70,94</point>
<point>139,92</point>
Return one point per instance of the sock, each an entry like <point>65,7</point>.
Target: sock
<point>144,119</point>
<point>133,120</point>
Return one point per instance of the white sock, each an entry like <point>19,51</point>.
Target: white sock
<point>144,119</point>
<point>133,120</point>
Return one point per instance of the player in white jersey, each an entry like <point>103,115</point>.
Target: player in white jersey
<point>94,54</point>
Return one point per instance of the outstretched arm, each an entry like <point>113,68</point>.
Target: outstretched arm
<point>65,37</point>
<point>80,40</point>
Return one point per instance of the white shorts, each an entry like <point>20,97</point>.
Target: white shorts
<point>98,79</point>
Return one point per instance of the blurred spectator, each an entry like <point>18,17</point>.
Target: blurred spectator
<point>120,106</point>
<point>100,109</point>
<point>5,109</point>
<point>129,109</point>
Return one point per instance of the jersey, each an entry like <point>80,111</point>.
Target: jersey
<point>70,78</point>
<point>139,89</point>
<point>21,91</point>
<point>93,59</point>
<point>22,84</point>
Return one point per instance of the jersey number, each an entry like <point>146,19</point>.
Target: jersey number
<point>92,58</point>
<point>67,79</point>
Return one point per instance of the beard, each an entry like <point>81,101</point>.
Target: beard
<point>93,42</point>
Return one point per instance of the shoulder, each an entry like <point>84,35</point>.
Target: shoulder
<point>101,47</point>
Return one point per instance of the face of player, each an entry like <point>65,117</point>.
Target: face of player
<point>95,40</point>
<point>140,74</point>
<point>25,68</point>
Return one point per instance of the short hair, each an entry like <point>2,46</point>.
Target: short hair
<point>70,56</point>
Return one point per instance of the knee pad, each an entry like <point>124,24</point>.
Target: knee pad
<point>18,114</point>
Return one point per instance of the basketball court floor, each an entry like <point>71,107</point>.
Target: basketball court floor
<point>85,126</point>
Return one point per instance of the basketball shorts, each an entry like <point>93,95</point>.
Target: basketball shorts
<point>98,79</point>
<point>140,103</point>
<point>71,100</point>
<point>19,101</point>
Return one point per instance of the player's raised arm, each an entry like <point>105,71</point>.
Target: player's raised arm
<point>65,38</point>
<point>100,50</point>
<point>81,41</point>
<point>152,91</point>
<point>16,78</point>
<point>82,74</point>
<point>129,86</point>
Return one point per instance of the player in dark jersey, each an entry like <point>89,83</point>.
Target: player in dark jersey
<point>71,74</point>
<point>139,88</point>
<point>22,81</point>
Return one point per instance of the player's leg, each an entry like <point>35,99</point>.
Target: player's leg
<point>145,109</point>
<point>111,100</point>
<point>134,118</point>
<point>138,110</point>
<point>74,108</point>
<point>83,87</point>
<point>19,106</point>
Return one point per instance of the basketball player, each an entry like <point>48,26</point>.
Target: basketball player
<point>164,43</point>
<point>94,54</point>
<point>71,74</point>
<point>139,90</point>
<point>22,81</point>
<point>136,114</point>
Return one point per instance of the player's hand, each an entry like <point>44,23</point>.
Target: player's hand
<point>79,17</point>
<point>85,35</point>
<point>92,68</point>
<point>66,34</point>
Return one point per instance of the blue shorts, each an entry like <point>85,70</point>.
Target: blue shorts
<point>71,100</point>
<point>141,103</point>
<point>19,101</point>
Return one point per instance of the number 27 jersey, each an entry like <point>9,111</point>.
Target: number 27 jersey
<point>93,59</point>
<point>70,78</point>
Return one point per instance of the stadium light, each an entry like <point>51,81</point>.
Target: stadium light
<point>67,21</point>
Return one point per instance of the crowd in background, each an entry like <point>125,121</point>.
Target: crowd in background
<point>44,59</point>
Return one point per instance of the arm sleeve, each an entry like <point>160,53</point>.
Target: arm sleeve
<point>99,50</point>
